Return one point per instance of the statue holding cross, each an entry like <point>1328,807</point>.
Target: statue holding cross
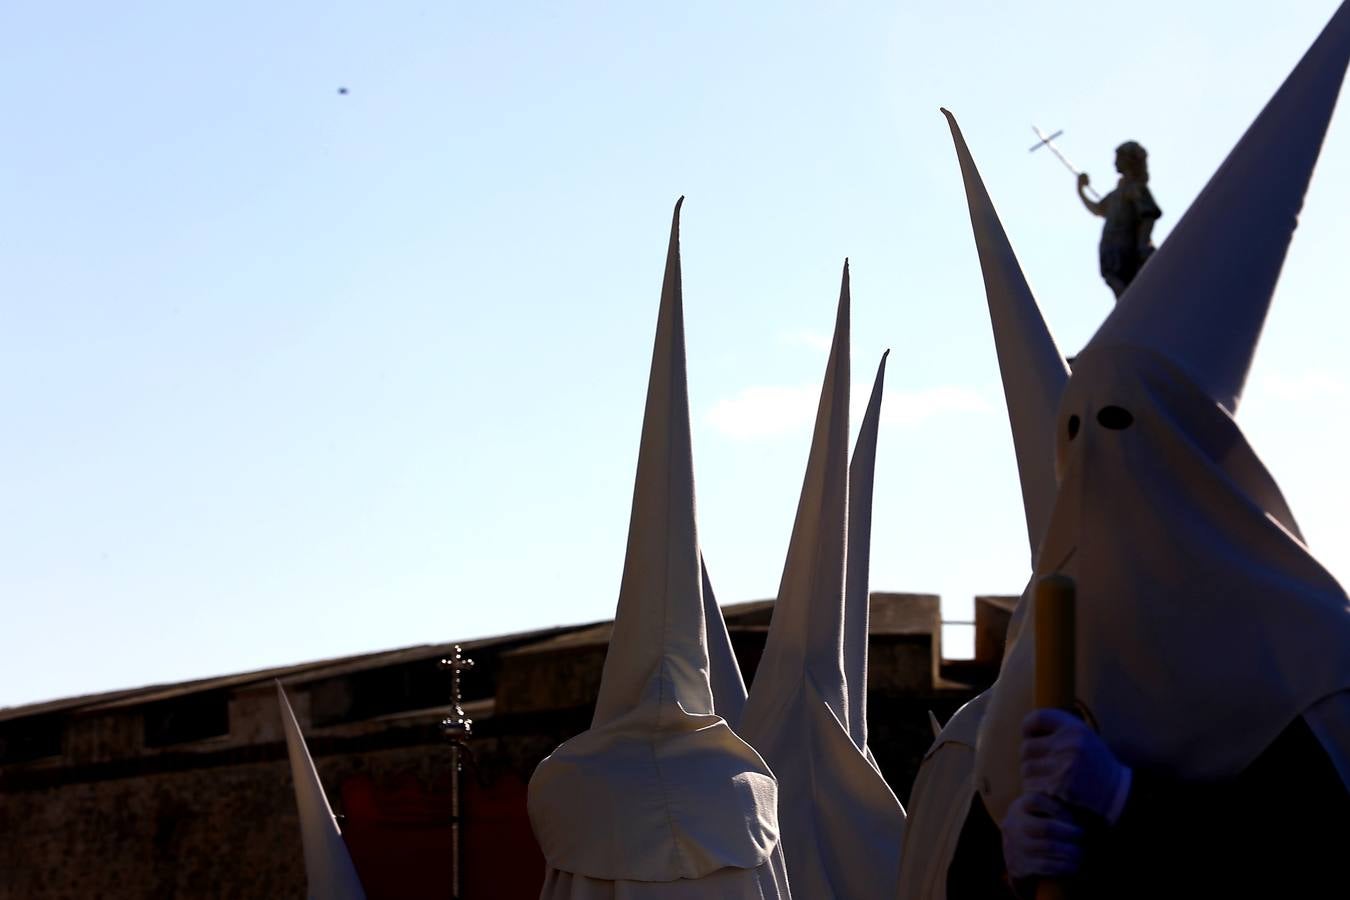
<point>1129,211</point>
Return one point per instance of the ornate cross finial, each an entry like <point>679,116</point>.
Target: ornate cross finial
<point>457,726</point>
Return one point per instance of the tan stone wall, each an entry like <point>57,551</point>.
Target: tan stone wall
<point>203,833</point>
<point>215,818</point>
<point>227,831</point>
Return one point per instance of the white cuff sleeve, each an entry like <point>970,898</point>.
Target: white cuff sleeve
<point>1122,794</point>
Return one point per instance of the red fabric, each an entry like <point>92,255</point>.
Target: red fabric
<point>399,836</point>
<point>398,832</point>
<point>501,858</point>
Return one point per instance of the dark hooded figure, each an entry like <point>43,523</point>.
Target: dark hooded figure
<point>1212,757</point>
<point>1129,210</point>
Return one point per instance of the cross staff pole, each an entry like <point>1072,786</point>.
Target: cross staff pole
<point>457,727</point>
<point>1048,141</point>
<point>1055,665</point>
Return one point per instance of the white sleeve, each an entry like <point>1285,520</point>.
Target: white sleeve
<point>1329,720</point>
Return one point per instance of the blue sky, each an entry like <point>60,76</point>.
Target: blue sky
<point>289,374</point>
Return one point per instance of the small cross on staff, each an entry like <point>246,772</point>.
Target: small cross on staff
<point>457,727</point>
<point>1048,141</point>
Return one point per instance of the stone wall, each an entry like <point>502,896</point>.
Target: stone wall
<point>129,809</point>
<point>225,826</point>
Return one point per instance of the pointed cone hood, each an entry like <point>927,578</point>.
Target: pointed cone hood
<point>1201,299</point>
<point>659,788</point>
<point>659,625</point>
<point>857,595</point>
<point>939,801</point>
<point>1033,369</point>
<point>1034,378</point>
<point>724,672</point>
<point>806,632</point>
<point>328,866</point>
<point>842,825</point>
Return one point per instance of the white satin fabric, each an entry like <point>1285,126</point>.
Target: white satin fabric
<point>1034,375</point>
<point>938,805</point>
<point>1204,626</point>
<point>660,794</point>
<point>1329,720</point>
<point>1030,363</point>
<point>768,882</point>
<point>724,672</point>
<point>841,823</point>
<point>328,866</point>
<point>857,580</point>
<point>1201,303</point>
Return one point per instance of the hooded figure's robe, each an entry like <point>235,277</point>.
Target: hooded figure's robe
<point>1213,650</point>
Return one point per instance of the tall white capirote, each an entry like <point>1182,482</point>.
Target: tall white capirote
<point>328,865</point>
<point>1204,625</point>
<point>659,798</point>
<point>842,825</point>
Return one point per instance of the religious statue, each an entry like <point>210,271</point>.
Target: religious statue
<point>1130,212</point>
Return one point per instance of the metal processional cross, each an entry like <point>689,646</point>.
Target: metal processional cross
<point>457,727</point>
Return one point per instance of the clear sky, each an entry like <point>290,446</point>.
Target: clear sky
<point>287,373</point>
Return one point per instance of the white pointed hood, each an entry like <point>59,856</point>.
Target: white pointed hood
<point>939,803</point>
<point>857,590</point>
<point>328,865</point>
<point>724,672</point>
<point>1033,369</point>
<point>1201,299</point>
<point>1034,376</point>
<point>841,823</point>
<point>806,633</point>
<point>1204,626</point>
<point>658,634</point>
<point>659,789</point>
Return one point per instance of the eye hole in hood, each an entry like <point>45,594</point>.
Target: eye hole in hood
<point>1116,418</point>
<point>1073,427</point>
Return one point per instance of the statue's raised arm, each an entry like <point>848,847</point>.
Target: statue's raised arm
<point>1096,207</point>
